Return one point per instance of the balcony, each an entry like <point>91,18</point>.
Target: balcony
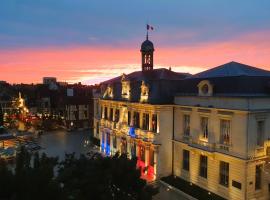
<point>203,145</point>
<point>223,147</point>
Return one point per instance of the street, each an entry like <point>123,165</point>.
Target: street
<point>57,143</point>
<point>166,193</point>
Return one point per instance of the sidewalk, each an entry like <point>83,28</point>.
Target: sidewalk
<point>170,193</point>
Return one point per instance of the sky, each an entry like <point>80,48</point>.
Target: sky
<point>90,41</point>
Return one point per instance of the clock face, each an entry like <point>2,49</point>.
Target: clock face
<point>205,89</point>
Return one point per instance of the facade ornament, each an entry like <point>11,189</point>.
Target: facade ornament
<point>144,92</point>
<point>108,92</point>
<point>125,87</point>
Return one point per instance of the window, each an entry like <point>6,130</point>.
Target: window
<point>205,89</point>
<point>225,128</point>
<point>111,114</point>
<point>142,153</point>
<point>97,128</point>
<point>133,150</point>
<point>116,116</point>
<point>108,139</point>
<point>224,173</point>
<point>123,146</point>
<point>85,114</point>
<point>136,119</point>
<point>260,133</point>
<point>151,157</point>
<point>186,160</point>
<point>129,118</point>
<point>203,166</point>
<point>102,116</point>
<point>236,184</point>
<point>186,125</point>
<point>154,123</point>
<point>204,127</point>
<point>105,113</point>
<point>145,121</point>
<point>258,178</point>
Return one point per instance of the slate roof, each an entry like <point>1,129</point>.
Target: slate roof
<point>156,74</point>
<point>230,79</point>
<point>232,69</point>
<point>163,84</point>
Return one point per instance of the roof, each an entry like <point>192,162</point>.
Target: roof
<point>232,69</point>
<point>147,45</point>
<point>155,74</point>
<point>163,84</point>
<point>230,79</point>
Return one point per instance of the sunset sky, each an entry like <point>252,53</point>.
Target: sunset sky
<point>93,40</point>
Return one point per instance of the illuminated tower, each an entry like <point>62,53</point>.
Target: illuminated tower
<point>147,51</point>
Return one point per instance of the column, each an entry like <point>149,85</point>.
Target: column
<point>111,144</point>
<point>158,122</point>
<point>141,120</point>
<point>147,151</point>
<point>150,121</point>
<point>155,163</point>
<point>118,144</point>
<point>128,148</point>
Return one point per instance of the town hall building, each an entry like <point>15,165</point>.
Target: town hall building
<point>211,129</point>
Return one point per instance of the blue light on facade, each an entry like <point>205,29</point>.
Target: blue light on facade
<point>108,149</point>
<point>132,132</point>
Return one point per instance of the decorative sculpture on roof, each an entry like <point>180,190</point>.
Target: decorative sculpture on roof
<point>144,92</point>
<point>125,87</point>
<point>108,92</point>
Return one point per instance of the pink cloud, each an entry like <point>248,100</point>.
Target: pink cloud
<point>94,64</point>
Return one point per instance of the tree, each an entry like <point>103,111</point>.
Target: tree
<point>36,176</point>
<point>102,178</point>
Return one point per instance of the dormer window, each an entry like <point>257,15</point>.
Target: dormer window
<point>108,92</point>
<point>205,88</point>
<point>125,87</point>
<point>144,92</point>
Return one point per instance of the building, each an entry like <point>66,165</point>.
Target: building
<point>134,115</point>
<point>211,129</point>
<point>78,107</point>
<point>222,131</point>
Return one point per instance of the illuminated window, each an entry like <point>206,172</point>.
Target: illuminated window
<point>123,146</point>
<point>144,92</point>
<point>225,129</point>
<point>186,160</point>
<point>154,123</point>
<point>204,127</point>
<point>186,126</point>
<point>224,173</point>
<point>142,153</point>
<point>203,166</point>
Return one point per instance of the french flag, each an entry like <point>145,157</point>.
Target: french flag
<point>149,27</point>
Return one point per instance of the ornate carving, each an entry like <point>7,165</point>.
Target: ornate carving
<point>144,92</point>
<point>125,87</point>
<point>108,92</point>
